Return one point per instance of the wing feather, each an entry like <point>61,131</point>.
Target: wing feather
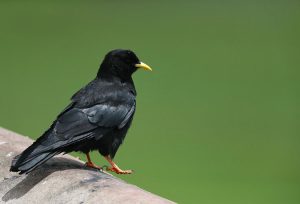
<point>105,115</point>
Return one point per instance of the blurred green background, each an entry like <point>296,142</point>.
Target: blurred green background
<point>217,120</point>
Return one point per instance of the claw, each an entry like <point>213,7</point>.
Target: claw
<point>118,170</point>
<point>92,165</point>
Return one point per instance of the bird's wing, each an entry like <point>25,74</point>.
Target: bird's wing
<point>77,121</point>
<point>77,124</point>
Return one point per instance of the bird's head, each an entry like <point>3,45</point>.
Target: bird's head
<point>121,63</point>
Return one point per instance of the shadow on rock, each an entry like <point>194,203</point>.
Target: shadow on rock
<point>24,183</point>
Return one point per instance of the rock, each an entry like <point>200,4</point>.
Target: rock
<point>62,179</point>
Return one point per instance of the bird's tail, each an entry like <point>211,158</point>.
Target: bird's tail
<point>25,164</point>
<point>33,156</point>
<point>40,151</point>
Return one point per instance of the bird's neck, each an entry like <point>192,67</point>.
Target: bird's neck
<point>125,82</point>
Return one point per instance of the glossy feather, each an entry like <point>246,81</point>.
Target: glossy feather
<point>98,117</point>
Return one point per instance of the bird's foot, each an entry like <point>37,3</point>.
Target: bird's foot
<point>118,170</point>
<point>92,165</point>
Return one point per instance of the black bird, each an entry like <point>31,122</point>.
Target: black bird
<point>97,118</point>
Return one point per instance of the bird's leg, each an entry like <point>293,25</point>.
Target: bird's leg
<point>115,168</point>
<point>89,163</point>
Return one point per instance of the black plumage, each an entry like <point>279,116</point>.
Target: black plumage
<point>97,118</point>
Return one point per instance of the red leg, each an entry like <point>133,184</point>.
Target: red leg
<point>115,168</point>
<point>89,163</point>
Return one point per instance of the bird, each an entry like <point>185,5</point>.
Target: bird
<point>97,118</point>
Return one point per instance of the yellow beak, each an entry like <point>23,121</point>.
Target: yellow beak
<point>144,66</point>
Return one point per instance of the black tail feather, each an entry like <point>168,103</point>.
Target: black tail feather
<point>37,153</point>
<point>30,164</point>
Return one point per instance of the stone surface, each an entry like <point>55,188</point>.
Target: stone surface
<point>63,179</point>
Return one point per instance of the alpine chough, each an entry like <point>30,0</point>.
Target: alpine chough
<point>97,118</point>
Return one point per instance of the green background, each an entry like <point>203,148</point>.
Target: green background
<point>217,120</point>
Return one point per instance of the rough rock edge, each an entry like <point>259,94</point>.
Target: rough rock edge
<point>63,179</point>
